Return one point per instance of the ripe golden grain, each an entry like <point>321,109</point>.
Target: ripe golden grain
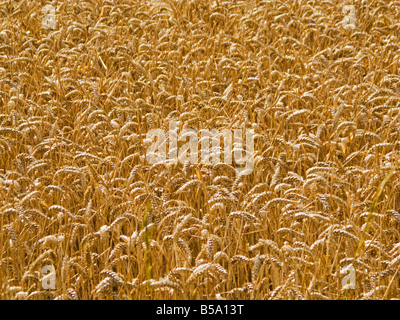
<point>76,191</point>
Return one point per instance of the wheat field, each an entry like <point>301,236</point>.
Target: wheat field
<point>76,190</point>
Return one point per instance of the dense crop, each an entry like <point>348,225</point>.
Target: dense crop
<point>76,190</point>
